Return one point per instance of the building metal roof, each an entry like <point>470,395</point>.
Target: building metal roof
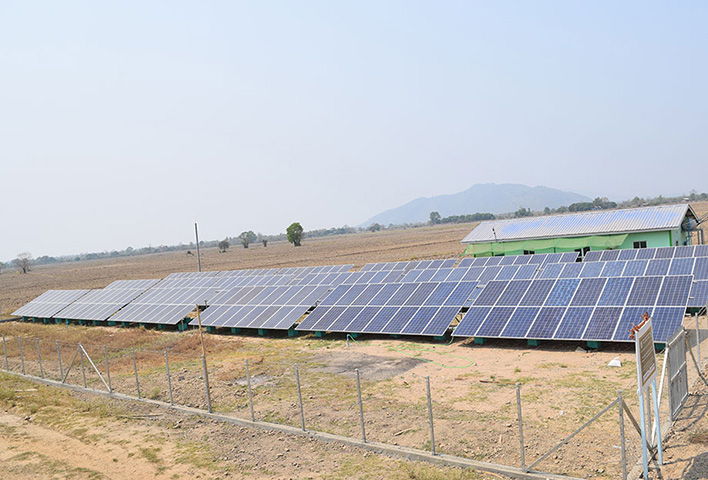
<point>601,222</point>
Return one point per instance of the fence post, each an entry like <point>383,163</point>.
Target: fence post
<point>83,370</point>
<point>135,369</point>
<point>108,369</point>
<point>206,383</point>
<point>623,451</point>
<point>521,426</point>
<point>22,355</point>
<point>169,381</point>
<point>39,359</point>
<point>4,352</point>
<point>61,368</point>
<point>361,406</point>
<point>299,396</point>
<point>430,415</point>
<point>250,395</point>
<point>698,346</point>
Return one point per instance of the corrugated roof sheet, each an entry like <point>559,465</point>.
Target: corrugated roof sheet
<point>603,222</point>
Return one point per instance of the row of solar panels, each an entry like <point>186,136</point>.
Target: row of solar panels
<point>281,297</point>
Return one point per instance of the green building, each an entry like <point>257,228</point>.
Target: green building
<point>646,227</point>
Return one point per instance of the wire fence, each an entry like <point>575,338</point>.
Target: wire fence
<point>495,421</point>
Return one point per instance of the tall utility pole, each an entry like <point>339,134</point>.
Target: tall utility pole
<point>199,259</point>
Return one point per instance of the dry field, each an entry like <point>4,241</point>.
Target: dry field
<point>57,434</point>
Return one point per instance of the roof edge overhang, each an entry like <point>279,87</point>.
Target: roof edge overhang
<point>525,239</point>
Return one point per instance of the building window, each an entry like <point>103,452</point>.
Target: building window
<point>641,244</point>
<point>529,252</point>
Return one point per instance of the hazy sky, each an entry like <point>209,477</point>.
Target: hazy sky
<point>121,123</point>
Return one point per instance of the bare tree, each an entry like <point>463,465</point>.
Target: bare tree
<point>23,261</point>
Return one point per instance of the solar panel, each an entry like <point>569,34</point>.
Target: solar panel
<point>519,323</point>
<point>588,292</point>
<point>616,291</point>
<point>635,268</point>
<point>674,291</point>
<point>546,322</point>
<point>593,256</point>
<point>701,251</point>
<point>614,268</point>
<point>681,266</point>
<point>630,316</point>
<point>491,293</point>
<point>471,322</point>
<point>700,269</point>
<point>609,255</point>
<point>552,270</point>
<point>592,269</point>
<point>49,303</point>
<point>664,252</point>
<point>562,292</point>
<point>100,304</point>
<point>646,253</point>
<point>699,294</point>
<point>513,293</point>
<point>537,293</point>
<point>166,306</point>
<point>574,323</point>
<point>495,322</point>
<point>627,254</point>
<point>603,323</point>
<point>684,251</point>
<point>665,322</point>
<point>658,266</point>
<point>644,291</point>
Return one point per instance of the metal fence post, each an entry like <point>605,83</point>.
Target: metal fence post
<point>169,381</point>
<point>108,369</point>
<point>61,368</point>
<point>430,416</point>
<point>4,352</point>
<point>39,360</point>
<point>206,383</point>
<point>521,426</point>
<point>83,370</point>
<point>361,407</point>
<point>299,396</point>
<point>22,355</point>
<point>698,346</point>
<point>250,394</point>
<point>623,446</point>
<point>135,369</point>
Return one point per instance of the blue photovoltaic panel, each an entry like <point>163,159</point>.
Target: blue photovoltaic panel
<point>627,254</point>
<point>456,275</point>
<point>49,303</point>
<point>664,252</point>
<point>658,266</point>
<point>362,320</point>
<point>336,294</point>
<point>613,269</point>
<point>466,262</point>
<point>473,273</point>
<point>507,272</point>
<point>513,293</point>
<point>522,259</point>
<point>471,321</point>
<point>495,322</point>
<point>588,292</point>
<point>537,293</point>
<point>491,293</point>
<point>489,274</point>
<point>571,270</point>
<point>421,294</point>
<point>699,294</point>
<point>537,259</point>
<point>635,268</point>
<point>569,257</point>
<point>402,294</point>
<point>616,291</point>
<point>644,291</point>
<point>520,322</point>
<point>551,270</point>
<point>411,276</point>
<point>508,260</point>
<point>593,256</point>
<point>630,316</point>
<point>399,320</point>
<point>562,292</point>
<point>463,294</point>
<point>592,269</point>
<point>385,294</point>
<point>645,253</point>
<point>341,323</point>
<point>681,266</point>
<point>380,320</point>
<point>684,251</point>
<point>674,291</point>
<point>665,322</point>
<point>546,323</point>
<point>441,275</point>
<point>426,275</point>
<point>420,320</point>
<point>701,251</point>
<point>603,323</point>
<point>610,255</point>
<point>441,321</point>
<point>574,322</point>
<point>700,268</point>
<point>526,272</point>
<point>493,261</point>
<point>440,294</point>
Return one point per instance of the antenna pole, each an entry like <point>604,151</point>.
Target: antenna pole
<point>199,260</point>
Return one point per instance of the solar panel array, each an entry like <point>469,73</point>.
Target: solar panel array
<point>49,303</point>
<point>275,308</point>
<point>590,309</point>
<point>393,308</point>
<point>98,305</point>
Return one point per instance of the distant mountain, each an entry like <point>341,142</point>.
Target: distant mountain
<point>480,198</point>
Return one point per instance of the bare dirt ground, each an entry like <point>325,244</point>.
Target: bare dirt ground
<point>474,398</point>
